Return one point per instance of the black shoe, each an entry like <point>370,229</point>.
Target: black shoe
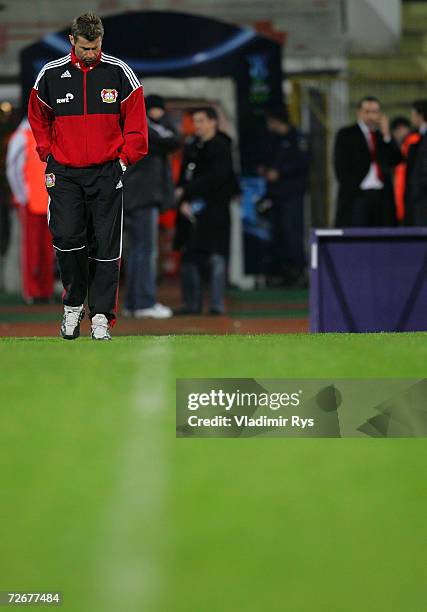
<point>216,313</point>
<point>184,311</point>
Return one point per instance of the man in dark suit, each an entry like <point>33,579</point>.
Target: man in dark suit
<point>416,172</point>
<point>364,156</point>
<point>206,186</point>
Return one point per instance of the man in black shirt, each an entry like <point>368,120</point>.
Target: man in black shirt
<point>149,191</point>
<point>285,166</point>
<point>206,186</point>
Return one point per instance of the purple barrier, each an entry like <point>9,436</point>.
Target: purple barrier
<point>368,280</point>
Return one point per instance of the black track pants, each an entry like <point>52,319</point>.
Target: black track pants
<point>86,220</point>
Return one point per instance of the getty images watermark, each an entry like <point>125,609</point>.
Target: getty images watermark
<point>218,398</point>
<point>321,408</point>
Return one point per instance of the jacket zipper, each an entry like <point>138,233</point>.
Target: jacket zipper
<point>85,111</point>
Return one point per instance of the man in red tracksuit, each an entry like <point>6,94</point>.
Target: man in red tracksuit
<point>25,173</point>
<point>88,117</point>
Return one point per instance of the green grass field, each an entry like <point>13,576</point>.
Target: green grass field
<point>102,502</point>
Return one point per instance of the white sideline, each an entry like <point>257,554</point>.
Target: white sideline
<point>130,573</point>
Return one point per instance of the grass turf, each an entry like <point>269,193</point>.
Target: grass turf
<point>102,502</point>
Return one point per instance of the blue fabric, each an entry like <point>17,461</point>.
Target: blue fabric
<point>288,230</point>
<point>290,156</point>
<point>192,265</point>
<point>142,226</point>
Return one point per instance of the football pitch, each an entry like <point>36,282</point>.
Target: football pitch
<point>101,502</point>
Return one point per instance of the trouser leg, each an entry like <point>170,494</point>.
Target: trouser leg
<point>191,282</point>
<point>46,259</point>
<point>371,208</point>
<point>359,214</point>
<point>24,253</point>
<point>150,255</point>
<point>39,250</point>
<point>67,224</point>
<point>420,213</point>
<point>218,281</point>
<point>382,212</point>
<point>104,196</point>
<point>288,231</point>
<point>131,263</point>
<point>142,271</point>
<point>36,259</point>
<point>103,288</point>
<point>278,253</point>
<point>74,274</point>
<point>293,231</point>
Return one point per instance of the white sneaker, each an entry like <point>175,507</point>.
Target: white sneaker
<point>158,311</point>
<point>70,328</point>
<point>100,328</point>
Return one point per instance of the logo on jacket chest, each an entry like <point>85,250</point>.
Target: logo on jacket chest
<point>109,95</point>
<point>68,98</point>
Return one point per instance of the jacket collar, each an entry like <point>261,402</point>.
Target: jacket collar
<point>80,65</point>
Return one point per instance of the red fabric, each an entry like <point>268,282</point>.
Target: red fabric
<point>400,175</point>
<point>108,141</point>
<point>168,219</point>
<point>411,139</point>
<point>79,64</point>
<point>41,118</point>
<point>373,149</point>
<point>399,190</point>
<point>34,177</point>
<point>71,131</point>
<point>89,139</point>
<point>134,123</point>
<point>37,255</point>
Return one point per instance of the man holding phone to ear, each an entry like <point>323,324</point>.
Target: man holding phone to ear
<point>364,156</point>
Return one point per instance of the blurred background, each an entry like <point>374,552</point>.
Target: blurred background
<point>101,501</point>
<point>313,58</point>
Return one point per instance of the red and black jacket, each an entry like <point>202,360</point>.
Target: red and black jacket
<point>87,115</point>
